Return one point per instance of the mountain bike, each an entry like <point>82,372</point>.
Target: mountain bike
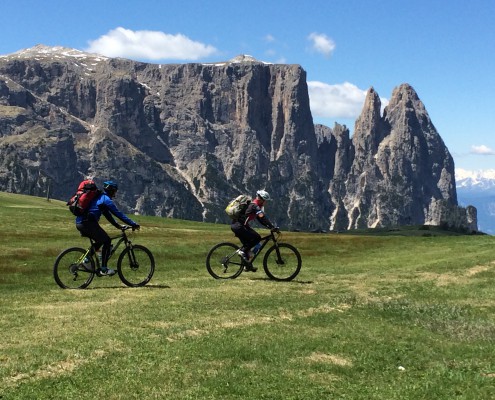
<point>76,267</point>
<point>282,261</point>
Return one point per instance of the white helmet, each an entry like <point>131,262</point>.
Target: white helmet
<point>263,194</point>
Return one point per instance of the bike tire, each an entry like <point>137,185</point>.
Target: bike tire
<point>283,264</point>
<point>69,273</point>
<point>222,262</point>
<point>136,266</point>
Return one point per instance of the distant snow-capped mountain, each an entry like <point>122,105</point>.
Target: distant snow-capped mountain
<point>481,180</point>
<point>41,51</point>
<point>477,188</point>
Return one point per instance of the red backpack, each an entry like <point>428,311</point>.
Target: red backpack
<point>79,202</point>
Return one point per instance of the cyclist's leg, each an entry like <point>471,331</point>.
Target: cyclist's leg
<point>249,238</point>
<point>252,238</point>
<point>93,230</point>
<point>86,232</point>
<point>247,235</point>
<point>236,227</point>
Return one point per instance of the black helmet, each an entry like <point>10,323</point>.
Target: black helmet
<point>110,187</point>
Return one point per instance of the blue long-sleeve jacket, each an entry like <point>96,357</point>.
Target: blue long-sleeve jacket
<point>103,204</point>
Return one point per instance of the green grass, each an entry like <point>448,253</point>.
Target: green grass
<point>369,317</point>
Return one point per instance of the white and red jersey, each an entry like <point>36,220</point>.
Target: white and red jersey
<point>255,211</point>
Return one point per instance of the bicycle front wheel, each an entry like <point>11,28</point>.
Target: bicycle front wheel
<point>70,272</point>
<point>136,266</point>
<point>222,262</point>
<point>282,262</point>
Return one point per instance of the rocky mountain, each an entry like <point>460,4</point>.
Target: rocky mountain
<point>182,139</point>
<point>478,188</point>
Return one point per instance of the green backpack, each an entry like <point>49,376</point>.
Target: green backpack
<point>237,206</point>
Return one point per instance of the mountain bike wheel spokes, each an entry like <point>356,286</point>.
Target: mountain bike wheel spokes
<point>70,272</point>
<point>222,262</point>
<point>136,266</point>
<point>282,262</point>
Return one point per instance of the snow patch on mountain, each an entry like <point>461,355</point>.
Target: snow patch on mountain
<point>43,51</point>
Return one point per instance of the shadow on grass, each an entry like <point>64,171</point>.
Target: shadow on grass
<point>127,287</point>
<point>281,282</point>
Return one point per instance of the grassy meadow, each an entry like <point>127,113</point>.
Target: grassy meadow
<point>408,314</point>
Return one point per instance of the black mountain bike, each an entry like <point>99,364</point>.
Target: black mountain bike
<point>76,267</point>
<point>282,261</point>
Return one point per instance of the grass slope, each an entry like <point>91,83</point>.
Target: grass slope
<point>369,317</point>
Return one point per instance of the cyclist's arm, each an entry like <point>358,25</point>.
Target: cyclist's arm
<point>263,219</point>
<point>109,206</point>
<point>110,218</point>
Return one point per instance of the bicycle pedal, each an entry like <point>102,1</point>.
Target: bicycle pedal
<point>250,268</point>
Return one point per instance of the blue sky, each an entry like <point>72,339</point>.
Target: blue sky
<point>444,49</point>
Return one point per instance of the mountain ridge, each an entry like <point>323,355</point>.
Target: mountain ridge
<point>185,138</point>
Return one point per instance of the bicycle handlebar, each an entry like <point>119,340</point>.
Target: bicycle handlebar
<point>125,227</point>
<point>271,235</point>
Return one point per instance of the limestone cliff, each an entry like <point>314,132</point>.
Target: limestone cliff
<point>182,139</point>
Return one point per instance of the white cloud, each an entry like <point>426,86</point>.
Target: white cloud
<point>482,150</point>
<point>461,173</point>
<point>344,100</point>
<point>321,43</point>
<point>269,38</point>
<point>149,45</point>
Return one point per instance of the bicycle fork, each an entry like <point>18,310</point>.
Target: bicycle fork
<point>133,262</point>
<point>279,260</point>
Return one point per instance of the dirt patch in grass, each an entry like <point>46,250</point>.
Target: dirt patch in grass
<point>308,291</point>
<point>246,322</point>
<point>189,333</point>
<point>478,269</point>
<point>323,378</point>
<point>323,309</point>
<point>329,359</point>
<point>62,367</point>
<point>455,279</point>
<point>208,326</point>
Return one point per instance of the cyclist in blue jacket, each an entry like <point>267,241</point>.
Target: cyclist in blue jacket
<point>88,224</point>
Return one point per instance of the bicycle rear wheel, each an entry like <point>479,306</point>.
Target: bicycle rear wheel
<point>282,262</point>
<point>222,262</point>
<point>136,266</point>
<point>69,271</point>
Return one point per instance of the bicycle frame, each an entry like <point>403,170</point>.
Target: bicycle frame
<point>75,267</point>
<point>122,238</point>
<point>264,241</point>
<point>281,261</point>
